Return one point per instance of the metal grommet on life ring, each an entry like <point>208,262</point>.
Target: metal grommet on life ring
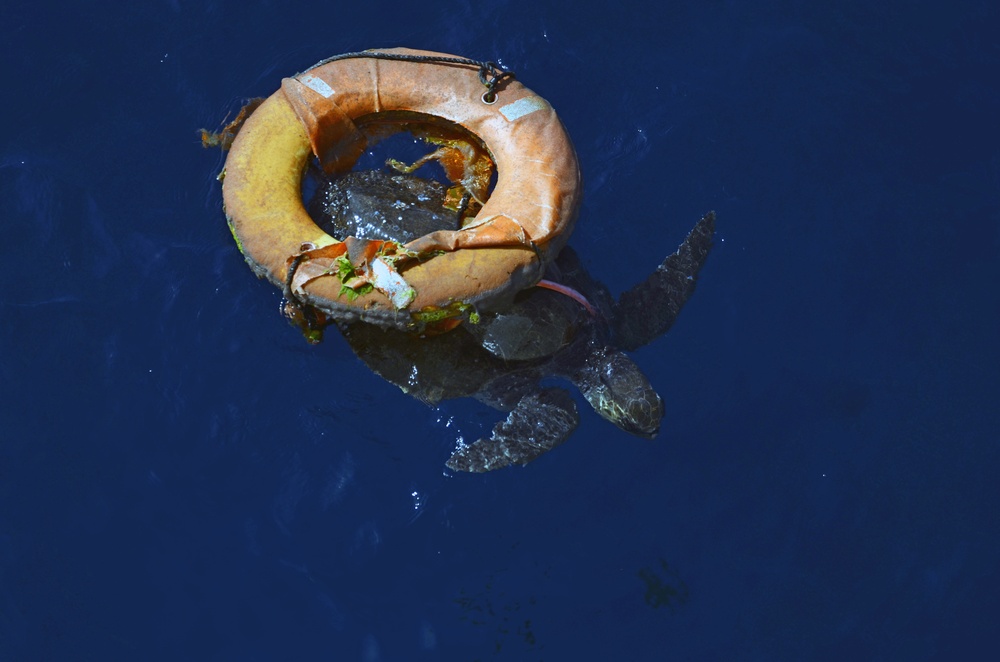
<point>324,112</point>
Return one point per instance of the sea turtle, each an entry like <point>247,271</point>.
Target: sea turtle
<point>502,359</point>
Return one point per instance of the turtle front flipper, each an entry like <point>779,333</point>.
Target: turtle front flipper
<point>649,309</point>
<point>540,422</point>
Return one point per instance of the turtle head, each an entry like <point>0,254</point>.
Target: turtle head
<point>617,390</point>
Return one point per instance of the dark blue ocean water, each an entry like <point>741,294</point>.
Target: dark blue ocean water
<point>183,478</point>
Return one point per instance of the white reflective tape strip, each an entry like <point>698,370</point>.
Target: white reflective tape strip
<point>317,85</point>
<point>522,107</point>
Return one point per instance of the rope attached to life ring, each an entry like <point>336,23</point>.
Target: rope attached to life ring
<point>491,74</point>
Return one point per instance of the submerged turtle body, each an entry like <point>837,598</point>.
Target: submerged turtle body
<point>501,359</point>
<point>355,206</point>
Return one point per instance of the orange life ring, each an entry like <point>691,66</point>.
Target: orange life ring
<point>504,249</point>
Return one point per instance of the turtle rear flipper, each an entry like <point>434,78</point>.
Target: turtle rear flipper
<point>649,309</point>
<point>540,422</point>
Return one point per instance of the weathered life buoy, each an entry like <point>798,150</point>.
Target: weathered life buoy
<point>327,111</point>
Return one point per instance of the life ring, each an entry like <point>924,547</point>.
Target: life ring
<point>505,249</point>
